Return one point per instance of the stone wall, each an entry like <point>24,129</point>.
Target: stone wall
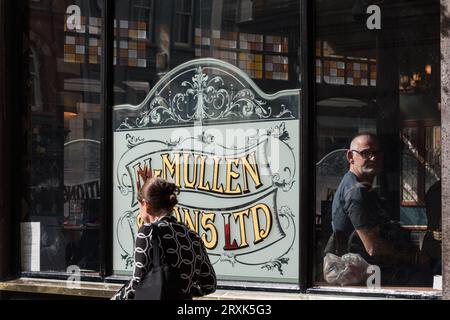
<point>445,111</point>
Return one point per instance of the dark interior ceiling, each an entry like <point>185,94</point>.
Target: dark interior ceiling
<point>404,23</point>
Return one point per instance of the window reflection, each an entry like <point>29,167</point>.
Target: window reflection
<point>385,82</point>
<point>249,35</point>
<point>64,119</point>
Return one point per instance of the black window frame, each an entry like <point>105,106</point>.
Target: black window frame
<point>106,274</point>
<point>307,237</point>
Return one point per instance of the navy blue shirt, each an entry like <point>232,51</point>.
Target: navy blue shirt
<point>356,206</point>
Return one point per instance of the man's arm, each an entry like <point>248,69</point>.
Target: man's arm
<point>373,243</point>
<point>361,214</point>
<point>376,246</point>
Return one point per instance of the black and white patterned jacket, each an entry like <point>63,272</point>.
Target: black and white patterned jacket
<point>180,247</point>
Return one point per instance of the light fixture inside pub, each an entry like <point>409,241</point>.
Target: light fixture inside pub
<point>415,82</point>
<point>70,112</point>
<point>69,106</point>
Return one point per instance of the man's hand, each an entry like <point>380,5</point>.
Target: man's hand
<point>437,235</point>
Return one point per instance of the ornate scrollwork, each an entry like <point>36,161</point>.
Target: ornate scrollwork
<point>280,132</point>
<point>128,220</point>
<point>173,143</point>
<point>206,138</point>
<point>286,213</point>
<point>284,184</point>
<point>276,264</point>
<point>210,100</point>
<point>228,257</point>
<point>133,141</point>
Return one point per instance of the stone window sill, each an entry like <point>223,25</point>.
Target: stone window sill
<point>103,290</point>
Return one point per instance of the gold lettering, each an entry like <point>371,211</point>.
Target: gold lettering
<point>176,210</point>
<point>240,216</point>
<point>141,174</point>
<point>259,233</point>
<point>232,175</point>
<point>202,185</point>
<point>250,167</point>
<point>157,173</point>
<point>211,244</point>
<point>139,221</point>
<point>186,164</point>
<point>216,188</point>
<point>173,167</point>
<point>188,220</point>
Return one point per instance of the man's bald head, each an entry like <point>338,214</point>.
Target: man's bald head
<point>365,156</point>
<point>363,138</point>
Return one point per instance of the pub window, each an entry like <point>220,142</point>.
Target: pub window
<point>420,161</point>
<point>132,33</point>
<point>134,50</point>
<point>143,10</point>
<point>385,85</point>
<point>207,118</point>
<point>61,222</point>
<point>260,56</point>
<point>264,55</point>
<point>184,10</point>
<point>245,10</point>
<point>341,70</point>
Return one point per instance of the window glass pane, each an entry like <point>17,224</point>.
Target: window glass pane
<point>182,28</point>
<point>433,155</point>
<point>377,198</point>
<point>183,6</point>
<point>61,218</point>
<point>215,118</point>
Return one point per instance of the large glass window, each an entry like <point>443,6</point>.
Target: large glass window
<point>377,196</point>
<point>214,107</point>
<point>61,216</point>
<point>206,94</point>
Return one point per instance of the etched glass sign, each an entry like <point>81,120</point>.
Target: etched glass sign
<point>234,152</point>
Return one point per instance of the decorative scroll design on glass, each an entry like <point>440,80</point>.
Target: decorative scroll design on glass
<point>133,141</point>
<point>241,223</point>
<point>286,214</point>
<point>206,90</point>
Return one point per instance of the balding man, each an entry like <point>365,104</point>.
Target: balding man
<point>361,221</point>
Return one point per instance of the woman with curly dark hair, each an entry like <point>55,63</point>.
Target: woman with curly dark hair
<point>179,247</point>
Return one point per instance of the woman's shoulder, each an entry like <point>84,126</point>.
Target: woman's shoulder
<point>146,228</point>
<point>170,222</point>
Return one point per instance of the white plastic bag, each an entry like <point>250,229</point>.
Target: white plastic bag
<point>350,269</point>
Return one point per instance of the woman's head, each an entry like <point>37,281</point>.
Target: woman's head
<point>157,197</point>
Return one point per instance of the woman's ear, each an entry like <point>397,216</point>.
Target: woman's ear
<point>147,207</point>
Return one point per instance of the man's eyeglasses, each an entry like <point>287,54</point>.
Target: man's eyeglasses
<point>367,154</point>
